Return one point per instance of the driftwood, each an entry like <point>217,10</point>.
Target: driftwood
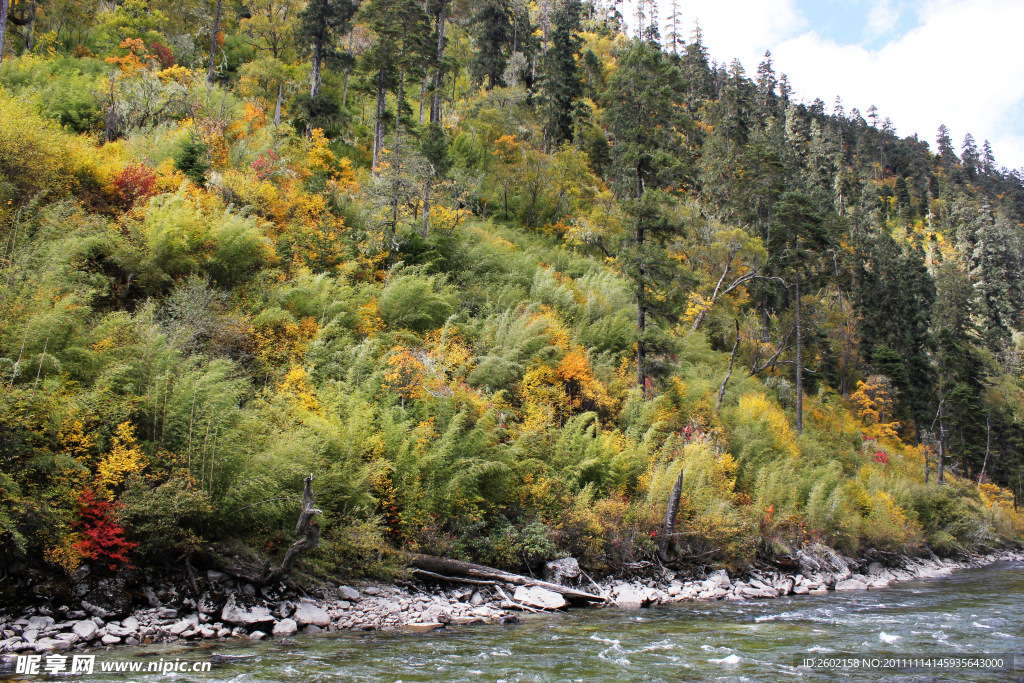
<point>453,579</point>
<point>305,526</point>
<point>441,565</point>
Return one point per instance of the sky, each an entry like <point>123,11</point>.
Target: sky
<point>921,62</point>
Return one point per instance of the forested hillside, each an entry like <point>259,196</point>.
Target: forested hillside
<point>501,277</point>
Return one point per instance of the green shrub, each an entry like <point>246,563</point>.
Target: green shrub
<point>168,520</point>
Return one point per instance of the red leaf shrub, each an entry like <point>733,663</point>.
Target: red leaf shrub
<point>163,55</point>
<point>102,537</point>
<point>881,457</point>
<point>264,166</point>
<point>135,182</point>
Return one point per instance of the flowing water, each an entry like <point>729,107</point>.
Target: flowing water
<point>973,612</point>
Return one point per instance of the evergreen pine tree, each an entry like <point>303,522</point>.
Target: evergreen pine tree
<point>321,24</point>
<point>561,82</point>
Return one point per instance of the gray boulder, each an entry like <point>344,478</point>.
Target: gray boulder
<point>233,613</point>
<point>307,613</point>
<point>107,602</point>
<point>40,623</point>
<point>285,628</point>
<point>561,571</point>
<point>629,598</point>
<point>539,598</point>
<point>851,585</point>
<point>347,593</point>
<point>51,645</point>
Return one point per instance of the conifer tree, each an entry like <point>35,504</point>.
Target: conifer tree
<point>403,51</point>
<point>561,82</point>
<point>645,119</point>
<point>494,32</point>
<point>321,25</point>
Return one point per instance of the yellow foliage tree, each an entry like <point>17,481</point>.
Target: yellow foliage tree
<point>874,401</point>
<point>124,459</point>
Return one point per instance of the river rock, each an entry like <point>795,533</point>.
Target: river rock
<point>150,596</point>
<point>423,627</point>
<point>180,627</point>
<point>540,598</point>
<point>851,585</point>
<point>875,568</point>
<point>721,577</point>
<point>628,598</point>
<point>818,558</point>
<point>307,613</point>
<point>348,593</point>
<point>131,623</point>
<point>233,613</point>
<point>40,623</point>
<point>110,640</point>
<point>285,628</point>
<point>257,635</point>
<point>118,631</point>
<point>51,645</point>
<point>801,590</point>
<point>206,604</point>
<point>107,602</point>
<point>559,571</point>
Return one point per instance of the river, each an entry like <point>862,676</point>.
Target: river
<point>973,612</point>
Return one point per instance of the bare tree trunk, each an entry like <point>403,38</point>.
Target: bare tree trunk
<point>30,34</point>
<point>213,41</point>
<point>765,320</point>
<point>544,27</point>
<point>670,518</point>
<point>799,365</point>
<point>988,445</point>
<point>4,8</point>
<point>306,527</point>
<point>641,323</point>
<point>435,105</point>
<point>943,438</point>
<point>423,97</point>
<point>344,91</point>
<point>277,108</point>
<point>426,209</point>
<point>732,359</point>
<point>316,75</point>
<point>378,126</point>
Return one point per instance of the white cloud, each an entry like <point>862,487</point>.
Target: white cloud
<point>741,29</point>
<point>961,66</point>
<point>881,18</point>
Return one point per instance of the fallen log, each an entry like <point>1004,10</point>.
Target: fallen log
<point>442,565</point>
<point>453,579</point>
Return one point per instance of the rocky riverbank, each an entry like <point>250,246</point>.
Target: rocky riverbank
<point>102,615</point>
<point>820,570</point>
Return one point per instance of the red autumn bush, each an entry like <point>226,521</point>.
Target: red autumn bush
<point>163,55</point>
<point>102,537</point>
<point>136,182</point>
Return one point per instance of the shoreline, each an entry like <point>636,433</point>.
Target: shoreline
<point>231,609</point>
